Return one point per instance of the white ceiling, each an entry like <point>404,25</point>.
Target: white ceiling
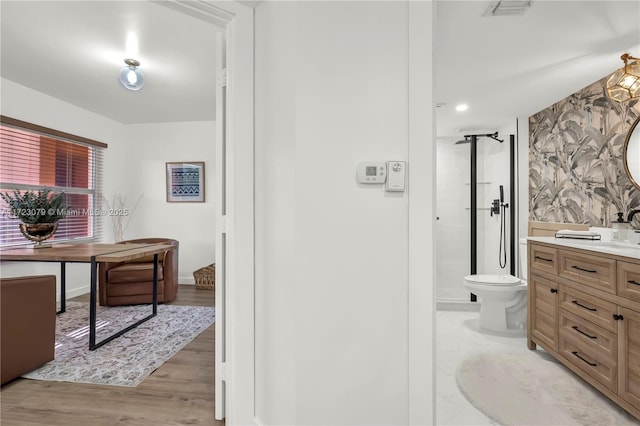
<point>73,50</point>
<point>503,67</point>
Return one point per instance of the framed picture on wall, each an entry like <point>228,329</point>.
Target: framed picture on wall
<point>185,182</point>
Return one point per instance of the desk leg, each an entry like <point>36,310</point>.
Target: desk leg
<point>92,304</point>
<point>92,309</point>
<point>63,287</point>
<point>155,284</point>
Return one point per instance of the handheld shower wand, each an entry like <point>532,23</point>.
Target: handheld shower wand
<point>502,253</point>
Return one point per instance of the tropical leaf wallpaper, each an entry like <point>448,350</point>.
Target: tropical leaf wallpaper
<point>576,171</point>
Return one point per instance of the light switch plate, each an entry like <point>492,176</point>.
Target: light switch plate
<point>396,175</point>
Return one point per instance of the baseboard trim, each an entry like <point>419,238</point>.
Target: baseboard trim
<point>187,279</point>
<point>74,292</point>
<point>457,305</point>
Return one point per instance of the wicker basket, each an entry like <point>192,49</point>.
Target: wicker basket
<point>206,277</point>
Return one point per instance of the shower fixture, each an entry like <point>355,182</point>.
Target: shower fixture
<point>467,138</point>
<point>507,8</point>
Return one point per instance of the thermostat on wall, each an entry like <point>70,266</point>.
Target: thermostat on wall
<point>372,172</point>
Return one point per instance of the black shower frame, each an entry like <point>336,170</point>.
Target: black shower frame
<point>474,205</point>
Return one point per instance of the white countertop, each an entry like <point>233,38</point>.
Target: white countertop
<point>626,249</point>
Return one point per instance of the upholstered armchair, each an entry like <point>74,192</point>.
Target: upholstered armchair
<point>27,324</point>
<point>131,282</point>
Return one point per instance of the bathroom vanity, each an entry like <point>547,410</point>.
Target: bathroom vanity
<point>584,309</point>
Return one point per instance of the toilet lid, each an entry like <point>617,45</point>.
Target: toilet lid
<point>504,280</point>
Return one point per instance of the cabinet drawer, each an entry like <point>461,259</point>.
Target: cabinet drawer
<point>543,259</point>
<point>589,359</point>
<point>587,269</point>
<point>602,341</point>
<point>629,280</point>
<point>593,309</point>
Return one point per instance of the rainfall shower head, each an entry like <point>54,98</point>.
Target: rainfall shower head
<point>467,138</point>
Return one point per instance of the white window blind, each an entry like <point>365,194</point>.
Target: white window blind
<point>37,158</point>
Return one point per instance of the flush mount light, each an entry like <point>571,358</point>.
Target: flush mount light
<point>624,84</point>
<point>130,76</point>
<point>462,107</point>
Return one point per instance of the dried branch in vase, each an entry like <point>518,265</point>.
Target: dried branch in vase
<point>120,214</point>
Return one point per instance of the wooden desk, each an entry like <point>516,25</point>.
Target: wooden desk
<point>91,253</point>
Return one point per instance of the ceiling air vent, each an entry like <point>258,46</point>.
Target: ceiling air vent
<point>507,8</point>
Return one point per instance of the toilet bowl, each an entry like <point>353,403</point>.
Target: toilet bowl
<point>502,298</point>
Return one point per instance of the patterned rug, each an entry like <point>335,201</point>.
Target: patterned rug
<point>129,359</point>
<point>534,389</point>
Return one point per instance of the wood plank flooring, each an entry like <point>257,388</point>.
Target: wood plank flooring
<point>180,392</point>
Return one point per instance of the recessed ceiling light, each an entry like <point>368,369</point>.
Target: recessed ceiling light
<point>462,107</point>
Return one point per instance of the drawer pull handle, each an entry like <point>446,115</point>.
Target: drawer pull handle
<point>553,290</point>
<point>591,271</point>
<point>575,302</point>
<point>633,282</point>
<point>578,355</point>
<point>543,259</point>
<point>575,327</point>
<point>618,317</point>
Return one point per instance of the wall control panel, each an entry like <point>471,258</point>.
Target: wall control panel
<point>396,172</point>
<point>391,173</point>
<point>372,172</point>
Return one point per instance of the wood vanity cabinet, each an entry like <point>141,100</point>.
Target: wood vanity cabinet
<point>584,309</point>
<point>629,364</point>
<point>544,308</point>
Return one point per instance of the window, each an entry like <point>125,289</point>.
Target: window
<point>34,158</point>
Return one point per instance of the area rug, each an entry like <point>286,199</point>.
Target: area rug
<point>128,359</point>
<point>532,388</point>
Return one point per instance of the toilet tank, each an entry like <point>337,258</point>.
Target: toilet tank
<point>523,258</point>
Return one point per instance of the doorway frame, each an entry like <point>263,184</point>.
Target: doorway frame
<point>239,348</point>
<point>237,22</point>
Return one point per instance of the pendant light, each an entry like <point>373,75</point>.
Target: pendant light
<point>624,84</point>
<point>130,75</point>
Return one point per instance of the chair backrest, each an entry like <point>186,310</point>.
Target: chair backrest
<point>147,259</point>
<point>152,240</point>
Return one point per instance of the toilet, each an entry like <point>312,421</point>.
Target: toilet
<point>502,298</point>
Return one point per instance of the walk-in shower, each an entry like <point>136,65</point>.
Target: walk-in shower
<point>476,218</point>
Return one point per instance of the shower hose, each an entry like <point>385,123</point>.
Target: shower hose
<point>502,253</point>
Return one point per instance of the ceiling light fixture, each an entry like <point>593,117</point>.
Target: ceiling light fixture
<point>624,84</point>
<point>462,107</point>
<point>130,76</point>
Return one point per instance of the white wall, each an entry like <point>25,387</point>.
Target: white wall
<point>134,164</point>
<point>332,280</point>
<point>26,104</point>
<point>523,178</point>
<point>149,147</point>
<point>493,167</point>
<point>275,177</point>
<point>453,224</point>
